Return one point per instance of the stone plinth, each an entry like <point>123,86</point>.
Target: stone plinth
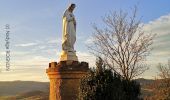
<point>68,56</point>
<point>65,79</point>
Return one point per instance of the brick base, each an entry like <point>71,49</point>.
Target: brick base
<point>65,79</point>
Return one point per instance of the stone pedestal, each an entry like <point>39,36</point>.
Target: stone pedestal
<point>68,56</point>
<point>65,79</point>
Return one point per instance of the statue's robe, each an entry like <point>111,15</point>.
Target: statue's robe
<point>69,32</point>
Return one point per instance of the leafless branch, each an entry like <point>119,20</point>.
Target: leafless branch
<point>122,44</point>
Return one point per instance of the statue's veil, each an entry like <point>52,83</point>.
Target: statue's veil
<point>67,9</point>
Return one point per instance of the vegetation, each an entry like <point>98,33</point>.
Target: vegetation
<point>165,83</point>
<point>101,84</point>
<point>162,86</point>
<point>122,44</point>
<point>158,89</point>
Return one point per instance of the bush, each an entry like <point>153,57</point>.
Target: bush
<point>102,84</point>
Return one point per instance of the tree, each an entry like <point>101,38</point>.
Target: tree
<point>102,84</point>
<point>164,87</point>
<point>161,87</point>
<point>97,85</point>
<point>122,44</point>
<point>164,71</point>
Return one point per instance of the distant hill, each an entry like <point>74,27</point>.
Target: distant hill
<point>146,86</point>
<point>17,90</point>
<point>144,82</point>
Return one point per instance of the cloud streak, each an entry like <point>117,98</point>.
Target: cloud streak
<point>26,44</point>
<point>89,40</point>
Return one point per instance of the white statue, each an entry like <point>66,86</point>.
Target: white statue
<point>69,35</point>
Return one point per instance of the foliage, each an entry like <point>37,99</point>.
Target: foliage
<point>102,84</point>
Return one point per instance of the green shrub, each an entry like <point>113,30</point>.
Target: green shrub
<point>102,84</point>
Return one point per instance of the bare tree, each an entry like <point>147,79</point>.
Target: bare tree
<point>164,73</point>
<point>164,70</point>
<point>122,44</point>
<point>161,89</point>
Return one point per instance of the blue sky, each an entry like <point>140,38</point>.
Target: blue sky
<point>36,28</point>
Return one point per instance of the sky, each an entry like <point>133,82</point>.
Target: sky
<point>36,29</point>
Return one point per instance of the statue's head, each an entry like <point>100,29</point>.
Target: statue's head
<point>71,7</point>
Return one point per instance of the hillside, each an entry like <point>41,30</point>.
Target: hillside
<point>24,90</point>
<point>18,87</point>
<point>33,95</point>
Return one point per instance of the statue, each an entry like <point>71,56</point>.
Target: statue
<point>66,74</point>
<point>69,35</point>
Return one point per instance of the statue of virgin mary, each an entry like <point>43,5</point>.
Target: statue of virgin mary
<point>69,35</point>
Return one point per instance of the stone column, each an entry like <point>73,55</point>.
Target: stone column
<point>65,79</point>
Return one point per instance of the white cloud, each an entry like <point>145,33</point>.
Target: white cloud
<point>2,53</point>
<point>26,44</point>
<point>53,40</point>
<point>84,56</point>
<point>15,53</point>
<point>89,40</point>
<point>162,53</point>
<point>161,45</point>
<point>160,26</point>
<point>32,60</point>
<point>19,53</point>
